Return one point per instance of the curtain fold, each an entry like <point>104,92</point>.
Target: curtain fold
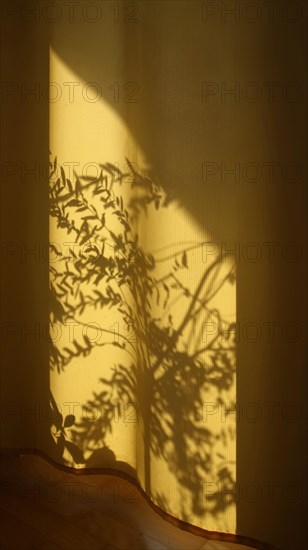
<point>153,251</point>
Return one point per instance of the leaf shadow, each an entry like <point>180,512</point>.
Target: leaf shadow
<point>171,368</point>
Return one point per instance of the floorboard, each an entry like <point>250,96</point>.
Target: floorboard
<point>46,508</point>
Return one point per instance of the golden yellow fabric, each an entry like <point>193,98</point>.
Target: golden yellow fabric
<point>171,344</point>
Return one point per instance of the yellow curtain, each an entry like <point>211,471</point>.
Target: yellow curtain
<point>153,251</point>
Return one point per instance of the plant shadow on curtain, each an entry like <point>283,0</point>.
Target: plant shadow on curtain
<point>183,436</point>
<point>142,307</point>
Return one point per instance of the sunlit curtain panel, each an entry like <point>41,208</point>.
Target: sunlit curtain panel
<point>153,244</point>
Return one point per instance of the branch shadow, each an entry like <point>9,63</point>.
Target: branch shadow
<point>162,389</point>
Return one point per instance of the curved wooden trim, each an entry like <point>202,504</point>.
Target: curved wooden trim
<point>193,529</point>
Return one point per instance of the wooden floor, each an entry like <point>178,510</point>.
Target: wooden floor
<point>44,508</point>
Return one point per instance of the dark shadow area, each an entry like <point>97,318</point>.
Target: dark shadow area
<point>24,233</point>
